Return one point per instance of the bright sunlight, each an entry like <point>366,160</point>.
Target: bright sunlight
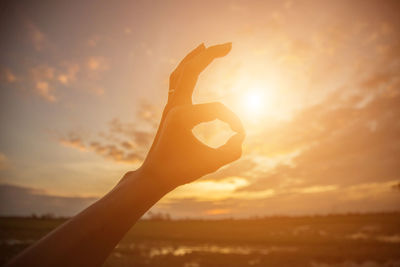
<point>254,101</point>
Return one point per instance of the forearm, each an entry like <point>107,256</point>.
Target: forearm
<point>89,237</point>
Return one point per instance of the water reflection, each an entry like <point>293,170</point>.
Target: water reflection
<point>217,249</point>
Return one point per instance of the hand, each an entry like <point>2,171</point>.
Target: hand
<point>177,156</point>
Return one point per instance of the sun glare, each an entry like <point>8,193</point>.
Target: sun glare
<point>256,100</point>
<point>253,101</point>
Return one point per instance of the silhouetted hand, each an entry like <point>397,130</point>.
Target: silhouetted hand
<point>177,156</point>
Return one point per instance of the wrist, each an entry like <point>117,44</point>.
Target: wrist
<point>150,179</point>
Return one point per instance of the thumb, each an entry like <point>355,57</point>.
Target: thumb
<point>231,150</point>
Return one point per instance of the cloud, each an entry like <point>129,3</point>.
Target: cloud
<point>190,207</point>
<point>130,131</point>
<point>95,67</point>
<point>122,152</point>
<point>97,63</point>
<point>149,113</point>
<point>21,201</point>
<point>7,76</point>
<point>339,145</point>
<point>44,90</point>
<point>99,91</point>
<point>320,147</point>
<point>42,76</point>
<point>69,74</point>
<point>115,153</point>
<point>74,141</point>
<point>122,142</point>
<point>127,30</point>
<point>376,81</point>
<point>42,72</point>
<point>46,80</point>
<point>364,197</point>
<point>212,190</point>
<point>4,162</point>
<point>243,167</point>
<point>36,36</point>
<point>94,40</point>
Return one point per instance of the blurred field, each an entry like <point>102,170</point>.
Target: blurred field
<point>336,240</point>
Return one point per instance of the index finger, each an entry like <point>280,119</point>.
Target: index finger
<point>192,70</point>
<point>173,78</point>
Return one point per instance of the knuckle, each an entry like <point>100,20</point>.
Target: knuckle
<point>219,105</point>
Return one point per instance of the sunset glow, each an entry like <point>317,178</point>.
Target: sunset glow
<point>315,85</point>
<point>254,102</point>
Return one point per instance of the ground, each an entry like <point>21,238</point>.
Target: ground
<point>354,240</point>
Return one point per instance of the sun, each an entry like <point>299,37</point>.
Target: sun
<point>253,101</point>
<point>256,101</point>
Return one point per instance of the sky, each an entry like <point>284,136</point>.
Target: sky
<point>315,83</point>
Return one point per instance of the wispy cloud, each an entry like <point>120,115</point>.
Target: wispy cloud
<point>116,153</point>
<point>342,147</point>
<point>7,76</point>
<point>326,138</point>
<point>368,197</point>
<point>68,74</point>
<point>48,80</point>
<point>42,77</point>
<point>122,142</point>
<point>97,63</point>
<point>4,162</point>
<point>74,141</point>
<point>46,91</point>
<point>36,36</point>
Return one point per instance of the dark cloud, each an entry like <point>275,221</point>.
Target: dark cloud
<point>115,153</point>
<point>19,200</point>
<point>122,142</point>
<point>124,151</point>
<point>344,151</point>
<point>372,197</point>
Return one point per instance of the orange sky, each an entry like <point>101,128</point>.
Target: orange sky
<point>316,84</point>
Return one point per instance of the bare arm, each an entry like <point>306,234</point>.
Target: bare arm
<point>88,238</point>
<point>175,158</point>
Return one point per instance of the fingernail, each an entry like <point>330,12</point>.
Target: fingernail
<point>228,44</point>
<point>227,47</point>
